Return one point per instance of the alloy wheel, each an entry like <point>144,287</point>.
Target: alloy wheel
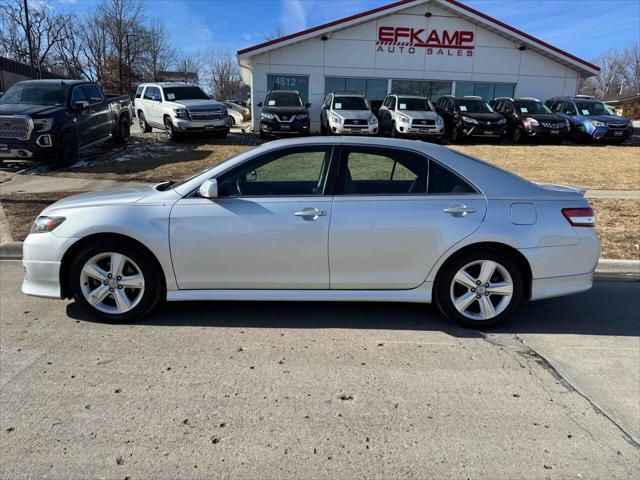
<point>481,290</point>
<point>112,283</point>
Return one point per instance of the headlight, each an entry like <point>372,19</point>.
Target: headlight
<point>469,120</point>
<point>439,121</point>
<point>267,116</point>
<point>46,224</point>
<point>373,120</point>
<point>301,116</point>
<point>335,119</point>
<point>403,119</point>
<point>531,121</point>
<point>181,112</point>
<point>42,124</point>
<point>502,121</point>
<point>597,123</point>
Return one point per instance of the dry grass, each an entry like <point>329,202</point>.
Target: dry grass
<point>592,167</point>
<point>151,158</point>
<point>618,225</point>
<point>22,209</point>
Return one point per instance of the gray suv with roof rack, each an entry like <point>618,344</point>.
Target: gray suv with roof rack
<point>591,119</point>
<point>345,113</point>
<point>529,118</point>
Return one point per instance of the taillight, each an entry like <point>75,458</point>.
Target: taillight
<point>580,217</point>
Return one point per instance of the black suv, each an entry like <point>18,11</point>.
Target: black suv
<point>283,113</point>
<point>470,117</point>
<point>529,118</point>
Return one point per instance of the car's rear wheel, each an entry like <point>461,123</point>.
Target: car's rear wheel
<point>479,288</point>
<point>142,121</point>
<point>124,129</point>
<point>114,281</point>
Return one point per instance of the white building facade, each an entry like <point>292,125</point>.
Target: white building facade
<point>429,47</point>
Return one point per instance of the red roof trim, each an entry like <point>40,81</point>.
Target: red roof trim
<point>322,27</point>
<point>402,2</point>
<point>525,35</point>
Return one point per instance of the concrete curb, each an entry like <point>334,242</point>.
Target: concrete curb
<point>13,251</point>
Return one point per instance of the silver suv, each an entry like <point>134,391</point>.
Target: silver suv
<point>179,108</point>
<point>347,113</point>
<point>410,115</point>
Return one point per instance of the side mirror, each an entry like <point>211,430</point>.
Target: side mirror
<point>79,106</point>
<point>325,107</point>
<point>259,104</point>
<point>307,105</point>
<point>209,189</point>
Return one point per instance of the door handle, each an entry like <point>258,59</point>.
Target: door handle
<point>310,213</point>
<point>459,210</point>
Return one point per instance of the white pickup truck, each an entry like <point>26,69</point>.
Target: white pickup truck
<point>179,108</point>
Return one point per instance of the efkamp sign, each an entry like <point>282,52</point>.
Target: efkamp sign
<point>436,42</point>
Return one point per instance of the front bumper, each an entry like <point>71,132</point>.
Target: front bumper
<point>38,147</point>
<point>604,133</point>
<point>419,130</point>
<point>296,127</point>
<point>41,258</point>
<point>341,129</point>
<point>488,131</point>
<point>195,126</point>
<point>544,132</point>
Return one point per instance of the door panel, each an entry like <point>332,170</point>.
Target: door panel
<point>387,242</point>
<point>250,243</point>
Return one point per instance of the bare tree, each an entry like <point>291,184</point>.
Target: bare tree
<point>122,20</point>
<point>48,30</point>
<point>159,55</point>
<point>608,82</point>
<point>190,66</point>
<point>222,73</point>
<point>631,68</point>
<point>277,33</point>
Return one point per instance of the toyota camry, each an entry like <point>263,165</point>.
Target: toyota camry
<point>320,219</point>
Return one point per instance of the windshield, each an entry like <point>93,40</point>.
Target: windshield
<point>32,94</point>
<point>418,104</point>
<point>184,93</point>
<point>592,108</point>
<point>474,106</point>
<point>350,103</point>
<point>531,107</point>
<point>283,100</point>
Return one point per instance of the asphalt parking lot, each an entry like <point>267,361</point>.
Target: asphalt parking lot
<point>292,390</point>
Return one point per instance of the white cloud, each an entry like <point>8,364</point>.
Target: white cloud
<point>294,15</point>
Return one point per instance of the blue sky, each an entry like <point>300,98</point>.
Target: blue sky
<point>583,27</point>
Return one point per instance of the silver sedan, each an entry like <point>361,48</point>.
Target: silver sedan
<point>318,219</point>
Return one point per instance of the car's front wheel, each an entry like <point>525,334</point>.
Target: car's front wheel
<point>170,130</point>
<point>114,281</point>
<point>517,135</point>
<point>479,288</point>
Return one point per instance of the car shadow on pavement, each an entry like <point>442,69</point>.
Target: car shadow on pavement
<point>610,308</point>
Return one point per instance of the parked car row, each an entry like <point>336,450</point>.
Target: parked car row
<point>349,113</point>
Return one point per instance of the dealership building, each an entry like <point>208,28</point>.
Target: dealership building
<point>428,47</point>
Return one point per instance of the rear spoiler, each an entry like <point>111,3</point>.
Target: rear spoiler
<point>561,188</point>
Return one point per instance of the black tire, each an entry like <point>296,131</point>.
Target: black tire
<point>263,135</point>
<point>233,120</point>
<point>142,121</point>
<point>124,130</point>
<point>443,287</point>
<point>221,134</point>
<point>323,129</point>
<point>517,135</point>
<point>172,135</point>
<point>579,136</point>
<point>454,134</point>
<point>154,286</point>
<point>394,131</point>
<point>67,149</point>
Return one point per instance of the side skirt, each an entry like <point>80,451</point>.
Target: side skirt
<point>422,294</point>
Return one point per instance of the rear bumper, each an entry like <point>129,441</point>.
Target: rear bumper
<point>560,286</point>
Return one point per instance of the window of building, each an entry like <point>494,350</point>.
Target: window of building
<point>430,89</point>
<point>375,89</point>
<point>290,82</point>
<point>488,91</point>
